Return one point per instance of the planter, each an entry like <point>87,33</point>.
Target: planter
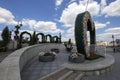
<point>80,59</point>
<point>55,50</point>
<point>3,49</point>
<point>69,49</point>
<point>47,58</point>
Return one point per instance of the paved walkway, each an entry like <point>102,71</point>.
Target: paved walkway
<point>35,69</point>
<point>3,55</point>
<point>114,74</point>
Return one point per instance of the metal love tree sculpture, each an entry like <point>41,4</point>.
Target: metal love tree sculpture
<point>83,24</point>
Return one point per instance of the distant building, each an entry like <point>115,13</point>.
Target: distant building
<point>118,41</point>
<point>112,43</point>
<point>101,43</point>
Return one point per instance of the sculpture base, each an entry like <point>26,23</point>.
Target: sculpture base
<point>80,59</point>
<point>97,66</point>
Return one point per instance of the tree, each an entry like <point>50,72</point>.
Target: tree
<point>5,36</point>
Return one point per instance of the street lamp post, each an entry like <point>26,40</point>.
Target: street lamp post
<point>60,37</point>
<point>17,27</point>
<point>113,43</point>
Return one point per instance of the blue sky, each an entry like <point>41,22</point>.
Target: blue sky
<point>54,16</point>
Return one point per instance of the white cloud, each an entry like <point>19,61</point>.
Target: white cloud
<point>69,34</point>
<point>70,30</point>
<point>47,27</point>
<point>113,9</point>
<point>26,35</point>
<point>114,30</point>
<point>104,37</point>
<point>69,14</point>
<point>58,3</point>
<point>42,26</point>
<point>29,31</point>
<point>99,25</point>
<point>30,23</point>
<point>6,17</point>
<point>103,4</point>
<point>107,36</point>
<point>72,1</point>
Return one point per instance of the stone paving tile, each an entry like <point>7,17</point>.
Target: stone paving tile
<point>38,69</point>
<point>114,74</point>
<point>35,69</point>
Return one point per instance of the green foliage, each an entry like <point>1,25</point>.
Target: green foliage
<point>79,32</point>
<point>5,36</point>
<point>81,27</point>
<point>2,47</point>
<point>51,40</point>
<point>21,40</point>
<point>33,39</point>
<point>74,55</point>
<point>55,39</point>
<point>41,54</point>
<point>47,54</point>
<point>43,37</point>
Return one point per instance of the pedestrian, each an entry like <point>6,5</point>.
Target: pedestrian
<point>114,49</point>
